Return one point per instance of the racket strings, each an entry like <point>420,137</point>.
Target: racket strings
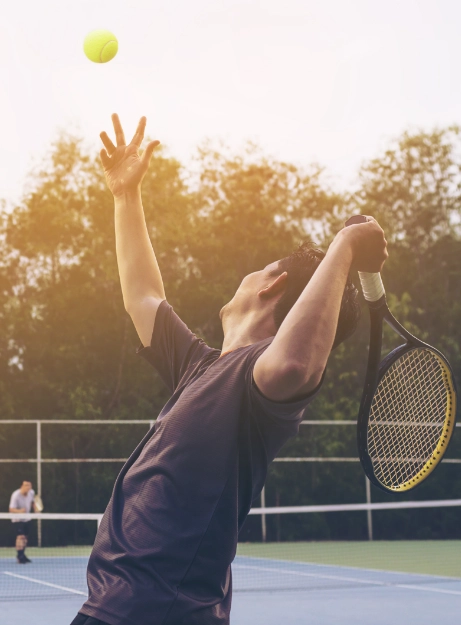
<point>407,416</point>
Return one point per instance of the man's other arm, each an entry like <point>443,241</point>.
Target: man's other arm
<point>293,364</point>
<point>140,277</point>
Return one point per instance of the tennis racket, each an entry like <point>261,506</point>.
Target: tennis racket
<point>38,503</point>
<point>408,408</point>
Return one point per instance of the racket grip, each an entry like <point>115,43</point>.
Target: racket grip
<point>372,286</point>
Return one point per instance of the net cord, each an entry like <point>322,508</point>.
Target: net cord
<point>348,507</point>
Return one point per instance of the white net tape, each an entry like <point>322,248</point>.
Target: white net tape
<point>407,416</point>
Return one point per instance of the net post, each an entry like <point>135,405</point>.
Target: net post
<point>39,478</point>
<point>369,514</point>
<point>263,516</point>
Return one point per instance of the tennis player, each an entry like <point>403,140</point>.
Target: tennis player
<point>163,552</point>
<point>21,501</point>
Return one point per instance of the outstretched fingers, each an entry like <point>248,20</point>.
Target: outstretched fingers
<point>105,159</point>
<point>119,136</point>
<point>109,155</point>
<point>147,154</point>
<point>110,147</point>
<point>139,134</point>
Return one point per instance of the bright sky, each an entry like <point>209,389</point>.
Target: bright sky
<point>327,80</point>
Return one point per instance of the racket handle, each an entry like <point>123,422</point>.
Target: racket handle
<point>372,285</point>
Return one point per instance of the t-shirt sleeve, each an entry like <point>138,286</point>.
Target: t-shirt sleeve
<point>14,501</point>
<point>173,347</point>
<point>284,410</point>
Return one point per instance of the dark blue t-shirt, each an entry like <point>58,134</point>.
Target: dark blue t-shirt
<point>164,548</point>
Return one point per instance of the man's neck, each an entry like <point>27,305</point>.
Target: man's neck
<point>245,331</point>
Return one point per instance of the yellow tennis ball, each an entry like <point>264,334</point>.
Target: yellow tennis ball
<point>100,46</point>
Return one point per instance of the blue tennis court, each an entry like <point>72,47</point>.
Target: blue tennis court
<point>307,593</point>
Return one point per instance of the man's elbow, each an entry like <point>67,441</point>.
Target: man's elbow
<point>303,379</point>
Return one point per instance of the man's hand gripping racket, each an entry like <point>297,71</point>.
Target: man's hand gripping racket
<point>408,407</point>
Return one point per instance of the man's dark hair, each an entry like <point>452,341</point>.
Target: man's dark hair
<point>300,267</point>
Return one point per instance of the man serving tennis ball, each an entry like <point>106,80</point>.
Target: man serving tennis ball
<point>163,552</point>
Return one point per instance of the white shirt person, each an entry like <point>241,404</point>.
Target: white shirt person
<point>22,501</point>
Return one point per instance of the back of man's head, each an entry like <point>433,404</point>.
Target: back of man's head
<point>300,267</point>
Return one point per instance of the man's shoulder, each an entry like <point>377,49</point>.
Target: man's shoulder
<point>14,498</point>
<point>256,349</point>
<point>246,353</point>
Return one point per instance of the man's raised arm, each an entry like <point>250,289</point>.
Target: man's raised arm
<point>140,278</point>
<point>294,362</point>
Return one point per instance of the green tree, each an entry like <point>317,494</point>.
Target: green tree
<point>71,338</point>
<point>67,347</point>
<point>414,188</point>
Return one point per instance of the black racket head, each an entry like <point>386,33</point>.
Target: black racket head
<point>406,424</point>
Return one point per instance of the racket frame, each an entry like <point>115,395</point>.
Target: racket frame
<point>376,369</point>
<point>38,503</point>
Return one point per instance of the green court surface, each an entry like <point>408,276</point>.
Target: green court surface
<point>433,557</point>
<point>49,552</point>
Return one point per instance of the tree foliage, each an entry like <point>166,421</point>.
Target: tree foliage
<point>67,347</point>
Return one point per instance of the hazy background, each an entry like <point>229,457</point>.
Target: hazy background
<point>326,81</point>
<point>332,82</point>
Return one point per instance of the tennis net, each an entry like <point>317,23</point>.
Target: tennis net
<point>58,567</point>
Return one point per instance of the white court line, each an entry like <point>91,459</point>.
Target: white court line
<point>38,581</point>
<point>348,568</point>
<point>302,574</point>
<point>350,579</point>
<point>446,592</point>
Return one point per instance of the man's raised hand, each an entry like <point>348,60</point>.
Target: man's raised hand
<point>124,168</point>
<point>368,244</point>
